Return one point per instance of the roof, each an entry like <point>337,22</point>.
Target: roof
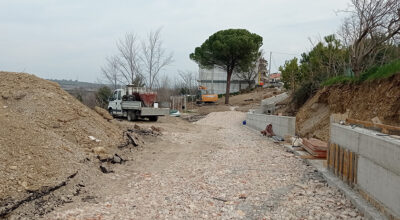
<point>275,75</point>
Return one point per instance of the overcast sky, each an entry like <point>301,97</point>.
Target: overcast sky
<point>70,39</point>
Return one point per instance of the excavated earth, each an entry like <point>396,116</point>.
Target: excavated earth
<point>376,101</point>
<point>47,139</point>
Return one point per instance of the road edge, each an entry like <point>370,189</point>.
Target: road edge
<point>355,198</point>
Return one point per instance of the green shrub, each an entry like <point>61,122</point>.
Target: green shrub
<point>382,72</point>
<point>303,93</point>
<point>338,80</point>
<point>373,73</point>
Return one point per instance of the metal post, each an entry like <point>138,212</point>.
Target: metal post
<point>184,100</point>
<point>212,80</point>
<point>270,63</point>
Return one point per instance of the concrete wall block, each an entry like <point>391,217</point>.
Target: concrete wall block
<point>380,151</point>
<point>345,137</point>
<point>281,125</point>
<point>380,183</point>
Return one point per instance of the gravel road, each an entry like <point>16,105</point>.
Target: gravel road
<point>213,169</point>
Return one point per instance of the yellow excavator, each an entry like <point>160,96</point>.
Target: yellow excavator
<point>203,96</point>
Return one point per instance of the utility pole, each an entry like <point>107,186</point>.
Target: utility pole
<point>212,80</point>
<point>270,59</point>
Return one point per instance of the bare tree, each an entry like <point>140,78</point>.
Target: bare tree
<point>188,81</point>
<point>154,57</point>
<point>371,25</point>
<point>129,60</point>
<point>110,71</point>
<point>248,76</point>
<point>258,67</point>
<point>165,89</point>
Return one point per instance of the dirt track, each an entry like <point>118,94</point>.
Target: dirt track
<point>215,168</point>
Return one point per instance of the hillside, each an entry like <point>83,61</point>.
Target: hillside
<point>70,85</point>
<point>377,100</point>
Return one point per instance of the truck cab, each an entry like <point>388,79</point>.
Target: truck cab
<point>114,104</point>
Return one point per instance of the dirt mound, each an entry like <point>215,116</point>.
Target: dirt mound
<point>46,135</point>
<point>378,100</point>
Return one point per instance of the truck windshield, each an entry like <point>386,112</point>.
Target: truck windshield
<point>119,95</point>
<point>115,95</point>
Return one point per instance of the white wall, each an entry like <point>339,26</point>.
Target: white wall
<point>215,81</point>
<point>378,169</point>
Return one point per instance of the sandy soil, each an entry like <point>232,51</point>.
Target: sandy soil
<point>212,169</point>
<point>46,135</point>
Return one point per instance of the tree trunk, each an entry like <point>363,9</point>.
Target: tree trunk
<point>228,85</point>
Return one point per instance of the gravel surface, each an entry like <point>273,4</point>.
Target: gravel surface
<point>221,170</point>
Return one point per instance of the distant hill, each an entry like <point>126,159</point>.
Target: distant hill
<point>70,85</point>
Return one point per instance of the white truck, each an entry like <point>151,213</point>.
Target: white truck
<point>134,103</point>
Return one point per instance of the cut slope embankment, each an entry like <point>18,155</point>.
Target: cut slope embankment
<point>377,100</point>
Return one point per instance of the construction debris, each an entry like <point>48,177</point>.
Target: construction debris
<point>315,147</point>
<point>193,118</point>
<point>152,131</point>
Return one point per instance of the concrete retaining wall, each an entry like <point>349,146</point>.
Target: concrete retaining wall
<point>378,169</point>
<point>268,105</point>
<point>281,125</point>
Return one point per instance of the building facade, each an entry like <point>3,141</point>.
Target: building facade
<point>215,79</point>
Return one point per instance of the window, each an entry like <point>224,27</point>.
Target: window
<point>119,95</point>
<point>115,95</point>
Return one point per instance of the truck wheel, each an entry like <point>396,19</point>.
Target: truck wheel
<point>110,111</point>
<point>153,118</point>
<point>131,116</point>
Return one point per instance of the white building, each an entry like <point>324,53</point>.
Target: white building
<point>215,81</point>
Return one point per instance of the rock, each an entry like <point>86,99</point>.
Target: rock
<point>117,159</point>
<point>157,129</point>
<point>240,213</point>
<point>4,96</point>
<point>13,167</point>
<point>94,139</point>
<point>99,150</point>
<point>352,214</point>
<point>24,184</point>
<point>19,95</point>
<point>56,125</point>
<point>376,120</point>
<point>105,169</point>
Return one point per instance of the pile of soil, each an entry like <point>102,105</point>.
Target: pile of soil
<point>46,135</point>
<point>377,101</point>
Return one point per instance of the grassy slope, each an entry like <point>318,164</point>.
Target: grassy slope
<point>374,73</point>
